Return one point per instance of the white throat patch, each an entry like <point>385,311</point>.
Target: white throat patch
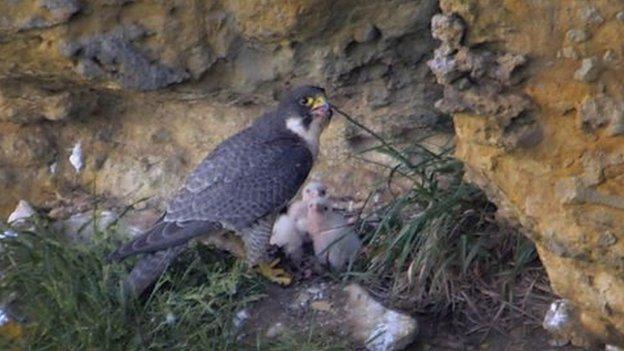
<point>310,135</point>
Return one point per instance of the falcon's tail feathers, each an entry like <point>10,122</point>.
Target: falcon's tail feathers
<point>149,268</point>
<point>163,235</point>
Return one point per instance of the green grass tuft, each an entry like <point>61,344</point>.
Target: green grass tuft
<point>66,294</point>
<point>437,248</point>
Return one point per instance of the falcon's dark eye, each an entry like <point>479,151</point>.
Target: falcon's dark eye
<point>306,101</point>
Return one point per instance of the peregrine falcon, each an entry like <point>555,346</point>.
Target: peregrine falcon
<point>240,186</point>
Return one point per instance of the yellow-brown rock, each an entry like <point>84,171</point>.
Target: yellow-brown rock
<point>567,187</point>
<point>147,88</point>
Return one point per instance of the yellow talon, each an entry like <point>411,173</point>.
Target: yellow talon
<point>275,274</point>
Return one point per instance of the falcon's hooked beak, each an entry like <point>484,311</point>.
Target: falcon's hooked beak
<point>321,108</point>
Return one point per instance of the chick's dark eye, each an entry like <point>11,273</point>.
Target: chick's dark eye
<point>325,208</point>
<point>322,192</point>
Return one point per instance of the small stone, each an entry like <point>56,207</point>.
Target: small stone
<point>323,306</point>
<point>53,168</point>
<point>591,113</point>
<point>577,35</point>
<point>589,70</point>
<point>562,323</point>
<point>76,158</point>
<point>593,169</point>
<point>170,318</point>
<point>609,56</point>
<point>301,301</point>
<point>4,319</point>
<point>609,347</point>
<point>376,326</point>
<point>599,111</point>
<point>448,29</point>
<point>558,316</point>
<point>569,53</point>
<point>317,292</point>
<point>308,296</point>
<point>589,14</point>
<point>620,16</point>
<point>570,190</point>
<point>106,219</point>
<point>607,239</point>
<point>276,330</point>
<point>22,212</point>
<point>7,234</point>
<point>444,67</point>
<point>240,318</point>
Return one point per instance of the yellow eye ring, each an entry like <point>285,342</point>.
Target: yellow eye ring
<point>307,101</point>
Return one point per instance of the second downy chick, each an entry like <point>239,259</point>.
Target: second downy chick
<point>335,242</point>
<point>290,229</point>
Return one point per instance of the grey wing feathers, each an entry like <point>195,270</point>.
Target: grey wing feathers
<point>262,177</point>
<point>227,161</point>
<point>163,235</point>
<point>244,179</point>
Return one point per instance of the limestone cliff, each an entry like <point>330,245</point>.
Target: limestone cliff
<point>137,91</point>
<point>148,87</point>
<point>537,96</point>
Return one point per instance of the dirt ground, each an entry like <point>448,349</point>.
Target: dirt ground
<point>314,307</point>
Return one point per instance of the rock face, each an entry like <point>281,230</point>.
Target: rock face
<point>124,97</point>
<point>146,88</point>
<point>544,138</point>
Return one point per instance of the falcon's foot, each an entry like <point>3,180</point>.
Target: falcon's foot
<point>274,273</point>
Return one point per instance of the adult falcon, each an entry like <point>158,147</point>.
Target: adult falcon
<point>241,186</point>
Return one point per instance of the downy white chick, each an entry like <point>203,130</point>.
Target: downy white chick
<point>290,230</point>
<point>335,242</point>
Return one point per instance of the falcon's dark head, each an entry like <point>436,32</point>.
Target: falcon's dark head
<point>306,112</point>
<point>306,100</point>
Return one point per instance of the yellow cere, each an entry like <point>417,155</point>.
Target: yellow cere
<point>318,101</point>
